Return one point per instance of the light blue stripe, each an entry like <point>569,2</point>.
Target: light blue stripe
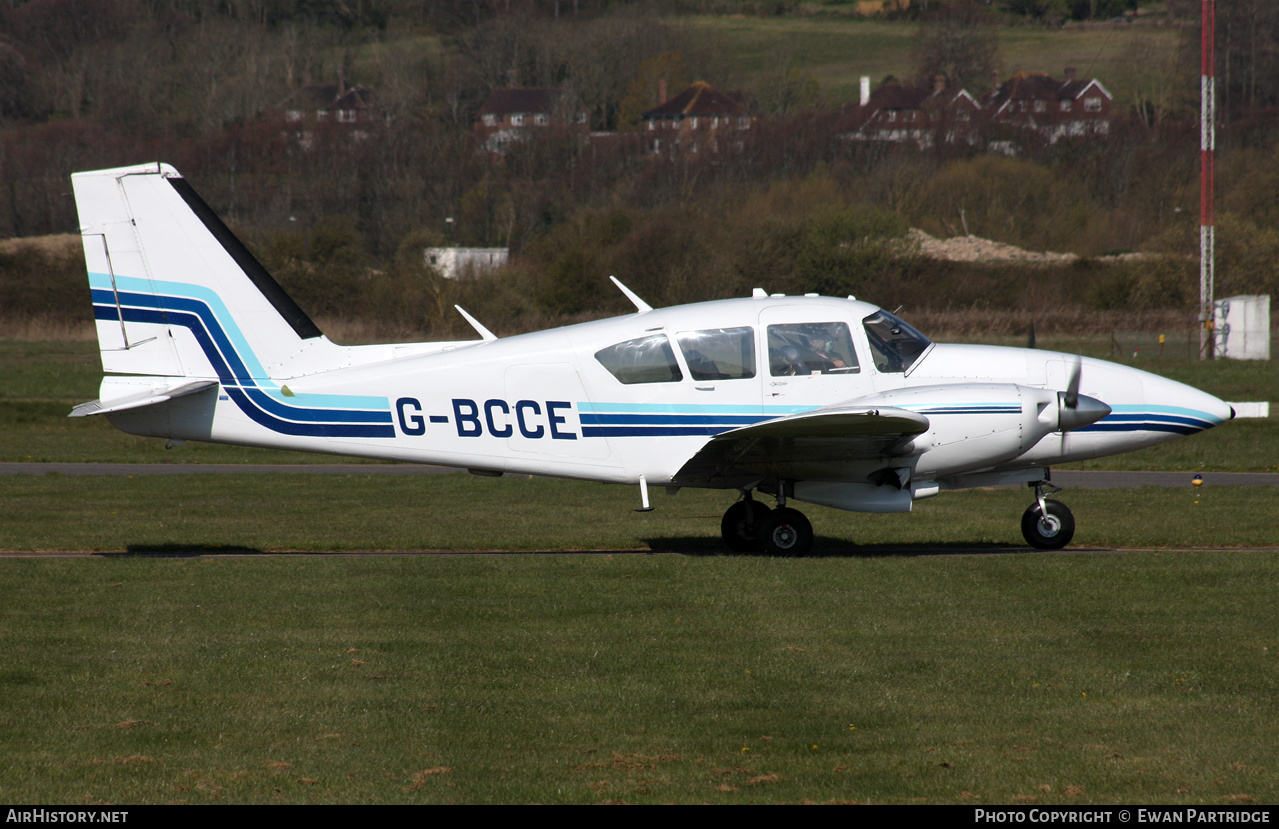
<point>330,401</point>
<point>219,309</point>
<point>232,332</point>
<point>1148,408</point>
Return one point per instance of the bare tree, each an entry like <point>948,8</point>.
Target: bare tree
<point>1247,47</point>
<point>959,42</point>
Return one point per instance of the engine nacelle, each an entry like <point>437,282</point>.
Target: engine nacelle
<point>977,426</point>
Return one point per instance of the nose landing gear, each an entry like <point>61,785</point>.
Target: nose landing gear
<point>1047,524</point>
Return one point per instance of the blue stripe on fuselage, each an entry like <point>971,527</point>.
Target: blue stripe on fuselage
<point>240,385</point>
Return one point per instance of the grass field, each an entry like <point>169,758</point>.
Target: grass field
<point>838,50</point>
<point>272,512</point>
<point>1051,679</point>
<point>167,671</point>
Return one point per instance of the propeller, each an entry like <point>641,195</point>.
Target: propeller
<point>1072,386</point>
<point>1075,410</point>
<point>1030,341</point>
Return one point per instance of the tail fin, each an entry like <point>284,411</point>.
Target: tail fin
<point>175,294</point>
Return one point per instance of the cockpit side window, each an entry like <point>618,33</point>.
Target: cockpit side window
<point>811,348</point>
<point>719,353</point>
<point>894,345</point>
<point>645,360</point>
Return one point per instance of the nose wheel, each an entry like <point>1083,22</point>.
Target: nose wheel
<point>1047,524</point>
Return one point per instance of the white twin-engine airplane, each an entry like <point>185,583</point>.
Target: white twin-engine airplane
<point>829,401</point>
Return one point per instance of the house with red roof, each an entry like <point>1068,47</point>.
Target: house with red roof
<point>699,120</point>
<point>1055,109</point>
<point>517,114</point>
<point>919,114</point>
<point>340,102</point>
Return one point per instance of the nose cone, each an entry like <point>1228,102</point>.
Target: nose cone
<point>1181,409</point>
<point>1086,411</point>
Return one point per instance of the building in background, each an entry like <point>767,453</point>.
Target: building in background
<point>518,114</point>
<point>457,263</point>
<point>701,119</point>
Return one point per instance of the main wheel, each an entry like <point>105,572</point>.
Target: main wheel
<point>741,525</point>
<point>786,532</point>
<point>1051,531</point>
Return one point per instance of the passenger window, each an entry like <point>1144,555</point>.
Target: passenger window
<point>811,348</point>
<point>719,353</point>
<point>646,360</point>
<point>894,345</point>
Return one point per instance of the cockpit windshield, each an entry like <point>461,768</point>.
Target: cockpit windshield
<point>894,345</point>
<point>811,348</point>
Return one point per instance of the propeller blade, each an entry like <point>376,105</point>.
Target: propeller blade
<point>1076,410</point>
<point>1072,388</point>
<point>1030,341</point>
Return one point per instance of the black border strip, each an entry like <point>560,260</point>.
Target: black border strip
<point>253,269</point>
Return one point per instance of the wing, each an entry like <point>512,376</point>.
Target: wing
<point>829,444</point>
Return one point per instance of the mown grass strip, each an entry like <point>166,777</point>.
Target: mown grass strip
<point>581,679</point>
<point>270,512</point>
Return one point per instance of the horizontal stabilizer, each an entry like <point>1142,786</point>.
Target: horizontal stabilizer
<point>147,397</point>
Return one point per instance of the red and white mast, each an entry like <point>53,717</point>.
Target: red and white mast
<point>1207,142</point>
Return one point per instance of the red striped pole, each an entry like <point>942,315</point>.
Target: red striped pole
<point>1207,142</point>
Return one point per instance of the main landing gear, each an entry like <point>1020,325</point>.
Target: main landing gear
<point>1047,524</point>
<point>749,526</point>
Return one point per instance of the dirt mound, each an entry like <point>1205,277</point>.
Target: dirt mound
<point>977,249</point>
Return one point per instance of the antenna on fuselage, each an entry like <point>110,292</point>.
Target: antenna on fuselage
<point>484,333</point>
<point>640,305</point>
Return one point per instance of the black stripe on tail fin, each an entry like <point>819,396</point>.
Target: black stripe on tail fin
<point>253,269</point>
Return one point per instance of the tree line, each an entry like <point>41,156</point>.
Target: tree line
<point>341,215</point>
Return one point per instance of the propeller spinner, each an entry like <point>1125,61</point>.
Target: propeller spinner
<point>1075,410</point>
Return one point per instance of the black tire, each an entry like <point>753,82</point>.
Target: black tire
<point>1052,532</point>
<point>741,525</point>
<point>786,532</point>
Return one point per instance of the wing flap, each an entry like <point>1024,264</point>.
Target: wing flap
<point>147,397</point>
<point>813,444</point>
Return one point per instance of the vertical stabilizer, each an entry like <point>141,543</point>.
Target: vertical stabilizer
<point>174,292</point>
